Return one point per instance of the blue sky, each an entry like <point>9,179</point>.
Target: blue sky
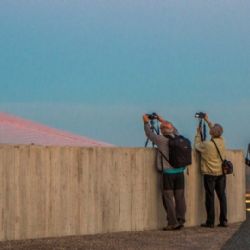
<point>94,67</point>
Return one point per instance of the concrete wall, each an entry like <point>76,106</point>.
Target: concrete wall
<point>58,191</point>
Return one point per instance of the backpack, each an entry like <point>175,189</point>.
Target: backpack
<point>180,151</point>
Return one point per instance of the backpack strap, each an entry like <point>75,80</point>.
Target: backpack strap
<point>164,156</point>
<point>217,150</point>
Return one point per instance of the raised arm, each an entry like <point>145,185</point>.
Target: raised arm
<point>209,123</point>
<point>153,137</point>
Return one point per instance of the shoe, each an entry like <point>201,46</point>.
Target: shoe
<point>207,225</point>
<point>172,228</point>
<point>181,222</point>
<point>224,224</point>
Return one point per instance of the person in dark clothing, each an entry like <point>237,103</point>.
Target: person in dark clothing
<point>173,178</point>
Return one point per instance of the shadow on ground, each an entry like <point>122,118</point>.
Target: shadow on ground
<point>241,238</point>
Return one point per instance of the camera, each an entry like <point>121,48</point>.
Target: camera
<point>200,115</point>
<point>152,116</point>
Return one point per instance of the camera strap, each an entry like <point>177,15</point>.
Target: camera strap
<point>155,129</point>
<point>217,150</point>
<point>203,130</point>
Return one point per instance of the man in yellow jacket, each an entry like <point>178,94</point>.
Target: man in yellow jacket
<point>214,179</point>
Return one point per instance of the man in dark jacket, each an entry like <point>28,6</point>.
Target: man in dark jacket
<point>173,178</point>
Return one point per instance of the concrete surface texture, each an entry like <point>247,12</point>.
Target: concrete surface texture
<point>62,191</point>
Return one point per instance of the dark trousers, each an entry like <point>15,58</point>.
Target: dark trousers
<point>174,198</point>
<point>217,184</point>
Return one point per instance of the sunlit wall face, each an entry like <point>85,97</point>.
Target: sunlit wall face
<point>78,64</point>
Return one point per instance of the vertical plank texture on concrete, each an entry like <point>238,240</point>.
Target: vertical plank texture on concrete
<point>59,191</point>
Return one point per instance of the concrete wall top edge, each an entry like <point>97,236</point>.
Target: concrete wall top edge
<point>95,147</point>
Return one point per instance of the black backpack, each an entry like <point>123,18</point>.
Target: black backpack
<point>180,151</point>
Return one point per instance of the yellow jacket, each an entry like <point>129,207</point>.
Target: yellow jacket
<point>210,159</point>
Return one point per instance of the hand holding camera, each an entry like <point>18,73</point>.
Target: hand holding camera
<point>201,129</point>
<point>152,116</point>
<point>200,115</point>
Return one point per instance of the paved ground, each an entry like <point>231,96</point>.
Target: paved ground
<point>188,239</point>
<point>241,239</point>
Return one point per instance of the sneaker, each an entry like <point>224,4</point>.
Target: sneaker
<point>207,225</point>
<point>224,224</point>
<point>181,222</point>
<point>172,227</point>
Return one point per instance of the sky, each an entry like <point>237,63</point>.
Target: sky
<point>93,67</point>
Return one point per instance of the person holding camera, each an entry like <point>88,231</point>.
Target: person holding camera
<point>173,178</point>
<point>211,168</point>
